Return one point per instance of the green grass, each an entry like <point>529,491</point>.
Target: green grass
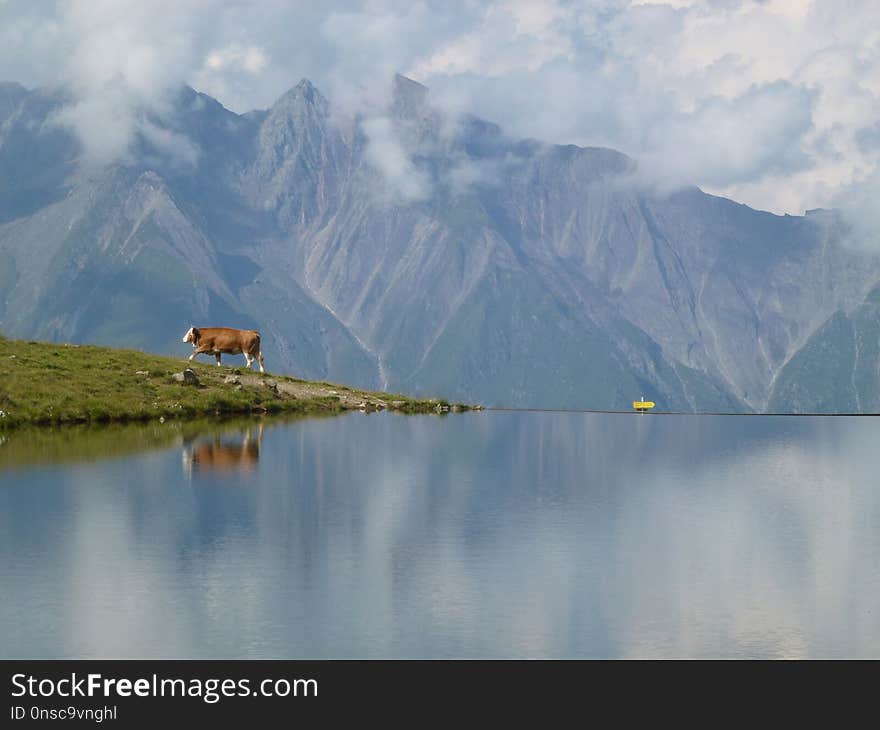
<point>52,384</point>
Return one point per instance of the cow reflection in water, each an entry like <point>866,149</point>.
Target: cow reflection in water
<point>224,453</point>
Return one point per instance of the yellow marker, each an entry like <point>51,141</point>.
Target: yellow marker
<point>643,405</point>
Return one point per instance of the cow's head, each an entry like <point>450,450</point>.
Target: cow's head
<point>192,335</point>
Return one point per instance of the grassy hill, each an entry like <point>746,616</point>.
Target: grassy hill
<point>44,383</point>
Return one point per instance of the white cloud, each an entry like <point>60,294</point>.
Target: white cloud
<point>405,182</point>
<point>121,61</point>
<point>105,127</point>
<point>247,58</point>
<point>762,101</point>
<point>858,203</point>
<point>724,142</point>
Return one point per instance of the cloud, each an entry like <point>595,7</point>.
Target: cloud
<point>121,61</point>
<point>769,102</point>
<point>466,173</point>
<point>248,58</point>
<point>760,101</point>
<point>858,204</point>
<point>868,138</point>
<point>104,125</point>
<point>728,141</point>
<point>385,152</point>
<point>229,73</point>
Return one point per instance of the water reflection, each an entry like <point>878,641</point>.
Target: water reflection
<point>483,534</point>
<point>72,444</point>
<point>223,453</point>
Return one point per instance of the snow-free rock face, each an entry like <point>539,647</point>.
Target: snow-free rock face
<point>838,369</point>
<point>413,251</point>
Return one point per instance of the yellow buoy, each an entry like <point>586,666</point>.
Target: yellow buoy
<point>643,405</point>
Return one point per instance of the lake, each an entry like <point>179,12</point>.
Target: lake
<point>488,534</point>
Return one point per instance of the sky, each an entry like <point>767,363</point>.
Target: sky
<point>774,103</point>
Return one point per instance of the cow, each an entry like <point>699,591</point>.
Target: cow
<point>217,340</point>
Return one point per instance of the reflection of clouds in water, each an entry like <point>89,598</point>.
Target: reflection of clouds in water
<point>120,599</point>
<point>755,555</point>
<point>481,535</point>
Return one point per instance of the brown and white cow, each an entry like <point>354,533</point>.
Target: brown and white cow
<point>225,340</point>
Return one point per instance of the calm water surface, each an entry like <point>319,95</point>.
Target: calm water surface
<point>476,535</point>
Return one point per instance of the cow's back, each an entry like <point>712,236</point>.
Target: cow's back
<point>228,339</point>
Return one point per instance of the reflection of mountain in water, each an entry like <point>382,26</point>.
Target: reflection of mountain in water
<point>224,453</point>
<point>486,534</point>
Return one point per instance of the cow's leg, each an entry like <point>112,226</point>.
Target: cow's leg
<point>248,360</point>
<point>260,358</point>
<point>217,355</point>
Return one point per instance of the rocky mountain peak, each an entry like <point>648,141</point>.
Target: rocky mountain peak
<point>545,279</point>
<point>12,88</point>
<point>408,98</point>
<point>302,98</point>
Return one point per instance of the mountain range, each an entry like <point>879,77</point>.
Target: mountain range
<point>412,250</point>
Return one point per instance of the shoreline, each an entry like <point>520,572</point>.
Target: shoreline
<point>49,385</point>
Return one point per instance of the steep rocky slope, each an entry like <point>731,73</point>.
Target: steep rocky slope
<point>410,250</point>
